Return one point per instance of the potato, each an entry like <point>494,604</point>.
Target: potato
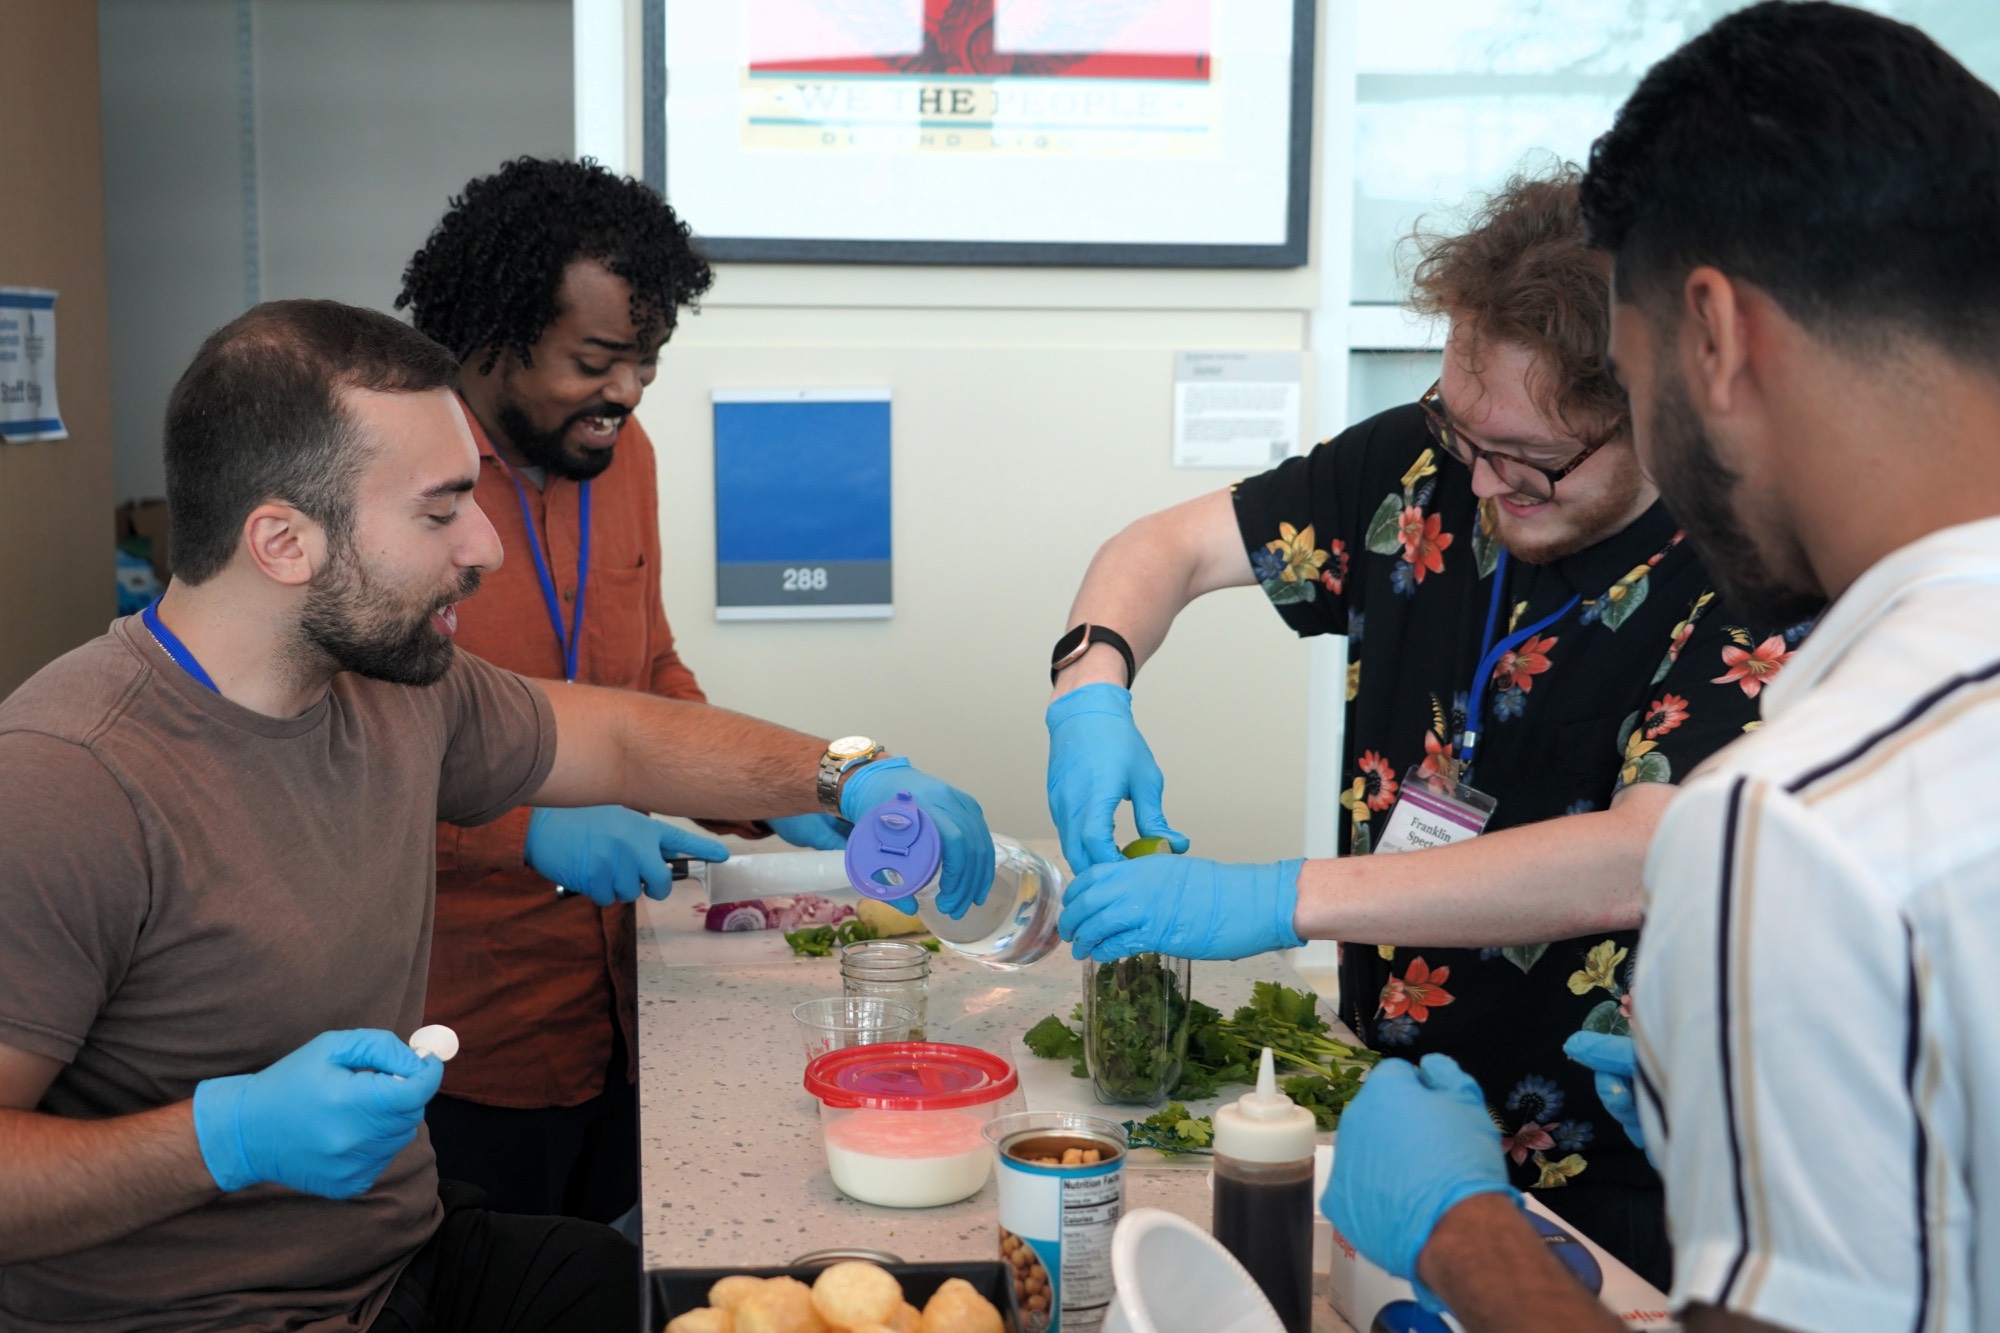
<point>854,1293</point>
<point>888,922</point>
<point>959,1308</point>
<point>702,1321</point>
<point>780,1305</point>
<point>728,1293</point>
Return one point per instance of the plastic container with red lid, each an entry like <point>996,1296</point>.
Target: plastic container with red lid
<point>902,1122</point>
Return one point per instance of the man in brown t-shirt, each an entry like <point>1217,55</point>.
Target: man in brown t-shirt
<point>216,871</point>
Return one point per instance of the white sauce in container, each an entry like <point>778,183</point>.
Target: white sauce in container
<point>908,1159</point>
<point>904,1123</point>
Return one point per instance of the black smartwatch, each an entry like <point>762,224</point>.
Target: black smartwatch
<point>1073,645</point>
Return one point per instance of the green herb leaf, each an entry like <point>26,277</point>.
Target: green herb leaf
<point>1172,1131</point>
<point>1053,1039</point>
<point>1128,1008</point>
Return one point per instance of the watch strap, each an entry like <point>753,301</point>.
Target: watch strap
<point>1071,647</point>
<point>832,768</point>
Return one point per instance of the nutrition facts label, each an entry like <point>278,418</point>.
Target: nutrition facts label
<point>1091,1206</point>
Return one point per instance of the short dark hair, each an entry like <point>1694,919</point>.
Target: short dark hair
<point>257,417</point>
<point>1523,272</point>
<point>488,275</point>
<point>1841,161</point>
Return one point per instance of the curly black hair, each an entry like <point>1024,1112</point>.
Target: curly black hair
<point>487,277</point>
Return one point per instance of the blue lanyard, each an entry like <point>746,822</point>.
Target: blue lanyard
<point>571,642</point>
<point>1490,654</point>
<point>170,641</point>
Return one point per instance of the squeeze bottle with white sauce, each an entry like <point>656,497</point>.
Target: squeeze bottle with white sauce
<point>1263,1193</point>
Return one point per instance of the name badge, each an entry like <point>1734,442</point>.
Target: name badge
<point>1425,817</point>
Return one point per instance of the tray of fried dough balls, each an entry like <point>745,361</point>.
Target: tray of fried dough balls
<point>854,1296</point>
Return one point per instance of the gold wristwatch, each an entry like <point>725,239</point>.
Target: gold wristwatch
<point>842,757</point>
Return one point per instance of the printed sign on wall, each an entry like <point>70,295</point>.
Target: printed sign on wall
<point>802,504</point>
<point>28,409</point>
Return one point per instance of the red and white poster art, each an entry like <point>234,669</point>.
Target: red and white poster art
<point>806,128</point>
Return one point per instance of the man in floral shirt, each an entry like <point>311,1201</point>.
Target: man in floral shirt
<point>1508,582</point>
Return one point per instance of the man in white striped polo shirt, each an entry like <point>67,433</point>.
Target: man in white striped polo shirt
<point>1803,206</point>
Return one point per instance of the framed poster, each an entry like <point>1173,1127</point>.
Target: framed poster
<point>802,504</point>
<point>1102,132</point>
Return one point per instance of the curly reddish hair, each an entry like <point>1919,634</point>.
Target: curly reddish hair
<point>1524,272</point>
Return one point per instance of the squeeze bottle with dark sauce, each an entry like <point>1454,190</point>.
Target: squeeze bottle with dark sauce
<point>1263,1194</point>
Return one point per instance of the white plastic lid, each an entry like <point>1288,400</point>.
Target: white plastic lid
<point>1265,1125</point>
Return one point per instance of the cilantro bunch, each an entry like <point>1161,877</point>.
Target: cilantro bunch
<point>1222,1051</point>
<point>1135,1027</point>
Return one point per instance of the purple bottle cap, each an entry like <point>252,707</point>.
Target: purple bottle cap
<point>893,851</point>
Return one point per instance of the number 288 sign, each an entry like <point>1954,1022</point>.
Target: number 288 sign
<point>802,504</point>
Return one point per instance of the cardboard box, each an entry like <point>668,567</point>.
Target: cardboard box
<point>146,520</point>
<point>1373,1302</point>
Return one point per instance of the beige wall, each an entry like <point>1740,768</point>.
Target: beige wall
<point>1032,417</point>
<point>56,581</point>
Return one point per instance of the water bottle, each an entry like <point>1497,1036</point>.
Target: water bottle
<point>895,853</point>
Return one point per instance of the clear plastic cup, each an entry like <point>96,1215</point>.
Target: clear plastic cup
<point>840,1021</point>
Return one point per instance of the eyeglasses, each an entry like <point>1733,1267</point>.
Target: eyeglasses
<point>1519,474</point>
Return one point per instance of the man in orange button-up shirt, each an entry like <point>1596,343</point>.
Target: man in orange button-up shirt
<point>556,284</point>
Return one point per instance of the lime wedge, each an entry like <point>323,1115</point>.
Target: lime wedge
<point>1145,847</point>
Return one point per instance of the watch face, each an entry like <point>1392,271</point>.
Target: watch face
<point>847,747</point>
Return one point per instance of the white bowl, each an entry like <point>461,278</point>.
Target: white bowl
<point>1173,1277</point>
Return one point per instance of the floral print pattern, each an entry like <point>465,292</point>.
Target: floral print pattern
<point>1516,670</point>
<point>1424,542</point>
<point>1753,668</point>
<point>1289,568</point>
<point>1418,991</point>
<point>1623,689</point>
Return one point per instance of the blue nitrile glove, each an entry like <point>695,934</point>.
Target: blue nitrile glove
<point>1615,1062</point>
<point>1097,758</point>
<point>609,853</point>
<point>822,833</point>
<point>324,1120</point>
<point>966,876</point>
<point>1414,1142</point>
<point>1180,905</point>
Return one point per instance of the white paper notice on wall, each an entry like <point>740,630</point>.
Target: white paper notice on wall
<point>1235,409</point>
<point>28,409</point>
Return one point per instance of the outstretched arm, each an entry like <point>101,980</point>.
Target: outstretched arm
<point>614,747</point>
<point>1549,881</point>
<point>1140,579</point>
<point>1136,585</point>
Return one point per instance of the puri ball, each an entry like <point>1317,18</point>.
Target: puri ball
<point>732,1291</point>
<point>702,1321</point>
<point>781,1305</point>
<point>436,1039</point>
<point>854,1293</point>
<point>959,1308</point>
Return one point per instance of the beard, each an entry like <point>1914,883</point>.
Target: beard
<point>545,448</point>
<point>361,625</point>
<point>1586,522</point>
<point>1697,487</point>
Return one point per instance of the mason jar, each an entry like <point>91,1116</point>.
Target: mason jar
<point>1135,1027</point>
<point>898,970</point>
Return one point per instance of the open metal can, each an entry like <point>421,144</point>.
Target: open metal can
<point>1062,1191</point>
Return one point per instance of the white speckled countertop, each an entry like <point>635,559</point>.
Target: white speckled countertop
<point>733,1169</point>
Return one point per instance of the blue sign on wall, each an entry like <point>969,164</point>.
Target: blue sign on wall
<point>802,504</point>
